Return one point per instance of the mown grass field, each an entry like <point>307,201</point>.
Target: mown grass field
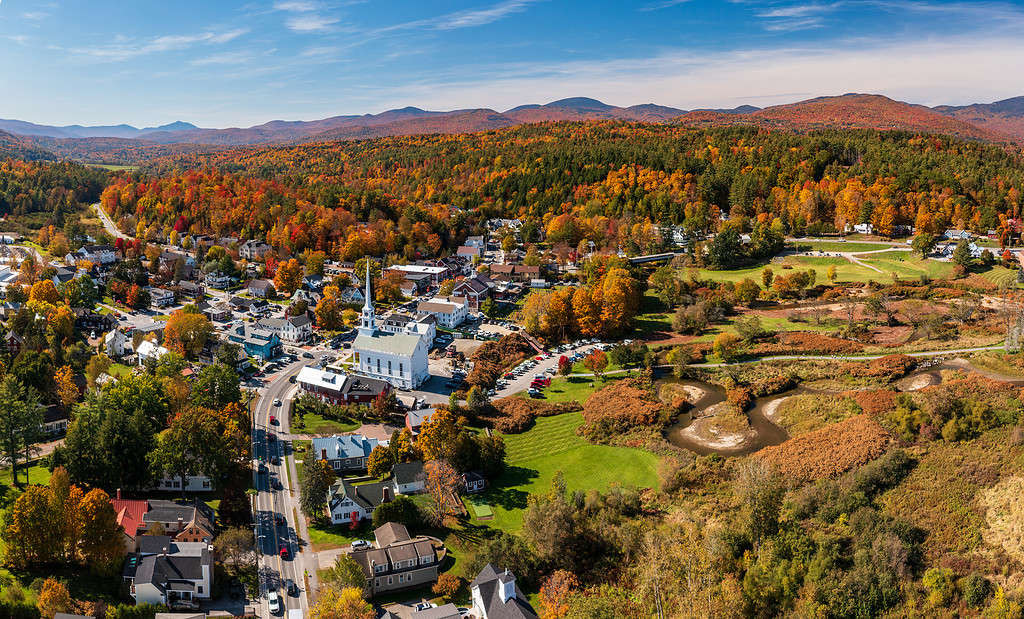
<point>576,388</point>
<point>902,263</point>
<point>843,246</point>
<point>316,424</point>
<point>552,445</point>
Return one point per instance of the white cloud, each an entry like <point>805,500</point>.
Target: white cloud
<point>310,23</point>
<point>920,72</point>
<point>481,17</point>
<point>296,6</point>
<point>127,49</point>
<point>657,6</point>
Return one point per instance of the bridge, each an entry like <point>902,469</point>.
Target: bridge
<point>655,258</point>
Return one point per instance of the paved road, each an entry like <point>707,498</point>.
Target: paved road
<point>108,224</point>
<point>282,501</point>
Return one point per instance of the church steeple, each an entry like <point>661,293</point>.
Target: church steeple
<point>368,319</point>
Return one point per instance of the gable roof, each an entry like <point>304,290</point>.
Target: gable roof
<point>343,446</point>
<point>407,472</point>
<point>367,496</point>
<point>488,584</point>
<point>390,533</point>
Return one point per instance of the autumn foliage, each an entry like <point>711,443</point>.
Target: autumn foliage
<point>830,451</point>
<point>618,408</point>
<point>513,415</point>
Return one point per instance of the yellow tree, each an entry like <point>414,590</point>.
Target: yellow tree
<point>554,594</point>
<point>587,310</point>
<point>439,434</point>
<point>101,543</point>
<point>288,277</point>
<point>443,487</point>
<point>44,291</point>
<point>186,332</point>
<point>345,604</point>
<point>620,294</point>
<point>54,598</point>
<point>67,390</point>
<point>328,310</point>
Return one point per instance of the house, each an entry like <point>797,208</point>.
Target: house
<point>448,611</point>
<point>957,235</point>
<point>399,561</point>
<point>313,282</point>
<point>161,297</point>
<point>326,385</point>
<point>397,358</point>
<point>863,228</point>
<point>185,522</point>
<point>437,273</point>
<point>495,595</point>
<point>261,288</point>
<point>192,290</point>
<point>13,343</point>
<point>97,254</point>
<point>351,504</point>
<point>449,313</point>
<point>256,342</point>
<point>216,312</point>
<point>116,343</point>
<point>473,482</point>
<point>150,350</point>
<point>414,419</point>
<point>360,389</point>
<point>352,295</point>
<point>55,421</point>
<point>89,320</point>
<point>218,280</point>
<point>293,329</point>
<point>310,297</point>
<point>475,290</point>
<point>344,452</point>
<point>253,250</point>
<point>408,478</point>
<point>171,573</point>
<point>415,284</point>
<point>468,252</point>
<point>514,272</point>
<point>192,483</point>
<point>474,241</point>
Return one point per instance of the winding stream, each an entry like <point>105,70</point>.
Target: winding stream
<point>763,431</point>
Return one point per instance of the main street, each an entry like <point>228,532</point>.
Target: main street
<point>277,499</point>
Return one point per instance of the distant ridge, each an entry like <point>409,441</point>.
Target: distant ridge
<point>1006,116</point>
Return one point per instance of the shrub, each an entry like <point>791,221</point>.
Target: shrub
<point>740,396</point>
<point>491,359</point>
<point>447,585</point>
<point>726,346</point>
<point>939,582</point>
<point>620,407</point>
<point>829,451</point>
<point>975,589</point>
<point>513,415</point>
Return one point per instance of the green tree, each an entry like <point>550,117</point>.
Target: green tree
<point>923,243</point>
<point>200,441</point>
<point>345,572</point>
<point>962,254</point>
<point>316,481</point>
<point>761,491</point>
<point>21,421</point>
<point>236,548</point>
<point>725,250</point>
<point>216,386</point>
<point>402,510</point>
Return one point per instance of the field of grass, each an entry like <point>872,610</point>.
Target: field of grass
<point>907,265</point>
<point>1002,276</point>
<point>327,536</point>
<point>315,424</point>
<point>552,445</point>
<point>117,370</point>
<point>843,246</point>
<point>902,263</point>
<point>37,474</point>
<point>576,388</point>
<point>804,413</point>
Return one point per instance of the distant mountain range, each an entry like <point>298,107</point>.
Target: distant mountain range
<point>1001,121</point>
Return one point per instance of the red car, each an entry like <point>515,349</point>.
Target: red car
<point>273,420</point>
<point>283,552</point>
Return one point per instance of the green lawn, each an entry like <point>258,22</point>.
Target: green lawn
<point>117,370</point>
<point>315,424</point>
<point>902,263</point>
<point>1002,276</point>
<point>552,445</point>
<point>842,246</point>
<point>326,536</point>
<point>575,388</point>
<point>37,474</point>
<point>908,265</point>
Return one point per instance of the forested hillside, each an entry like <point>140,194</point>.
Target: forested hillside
<point>605,177</point>
<point>47,187</point>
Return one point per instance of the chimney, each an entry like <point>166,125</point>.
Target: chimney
<point>118,493</point>
<point>386,492</point>
<point>181,523</point>
<point>323,454</point>
<point>508,586</point>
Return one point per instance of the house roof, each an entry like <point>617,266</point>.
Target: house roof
<point>344,446</point>
<point>154,544</point>
<point>164,571</point>
<point>260,284</point>
<point>367,496</point>
<point>488,584</point>
<point>321,379</point>
<point>473,284</point>
<point>390,533</point>
<point>448,611</point>
<point>363,386</point>
<point>390,343</point>
<point>130,513</point>
<point>438,307</point>
<point>300,321</point>
<point>407,472</point>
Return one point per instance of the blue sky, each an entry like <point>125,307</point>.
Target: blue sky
<point>220,63</point>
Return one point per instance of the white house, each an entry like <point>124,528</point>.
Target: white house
<point>863,228</point>
<point>177,573</point>
<point>218,280</point>
<point>294,329</point>
<point>397,358</point>
<point>116,343</point>
<point>437,274</point>
<point>449,313</point>
<point>495,595</point>
<point>192,483</point>
<point>160,297</point>
<point>150,350</point>
<point>253,250</point>
<point>97,254</point>
<point>408,478</point>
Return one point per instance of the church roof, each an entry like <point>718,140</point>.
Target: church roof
<point>391,343</point>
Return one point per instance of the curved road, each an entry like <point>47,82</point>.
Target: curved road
<point>108,224</point>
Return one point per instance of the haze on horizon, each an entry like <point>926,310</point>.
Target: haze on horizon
<point>243,63</point>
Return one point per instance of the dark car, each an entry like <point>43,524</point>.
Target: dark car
<point>278,519</point>
<point>275,460</point>
<point>291,588</point>
<point>283,551</point>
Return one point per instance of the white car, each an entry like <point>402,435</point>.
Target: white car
<point>274,601</point>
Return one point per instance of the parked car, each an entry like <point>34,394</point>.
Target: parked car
<point>274,601</point>
<point>360,544</point>
<point>307,355</point>
<point>273,420</point>
<point>283,551</point>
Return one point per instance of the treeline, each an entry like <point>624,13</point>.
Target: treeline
<point>607,176</point>
<point>58,188</point>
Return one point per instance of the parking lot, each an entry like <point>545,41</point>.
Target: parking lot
<point>542,366</point>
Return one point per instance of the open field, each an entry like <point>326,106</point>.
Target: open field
<point>315,424</point>
<point>843,246</point>
<point>552,445</point>
<point>902,263</point>
<point>576,388</point>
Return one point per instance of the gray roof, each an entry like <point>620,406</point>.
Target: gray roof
<point>448,611</point>
<point>391,343</point>
<point>154,544</point>
<point>408,472</point>
<point>390,533</point>
<point>300,320</point>
<point>162,571</point>
<point>367,496</point>
<point>488,582</point>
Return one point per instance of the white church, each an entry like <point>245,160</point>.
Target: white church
<point>398,358</point>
